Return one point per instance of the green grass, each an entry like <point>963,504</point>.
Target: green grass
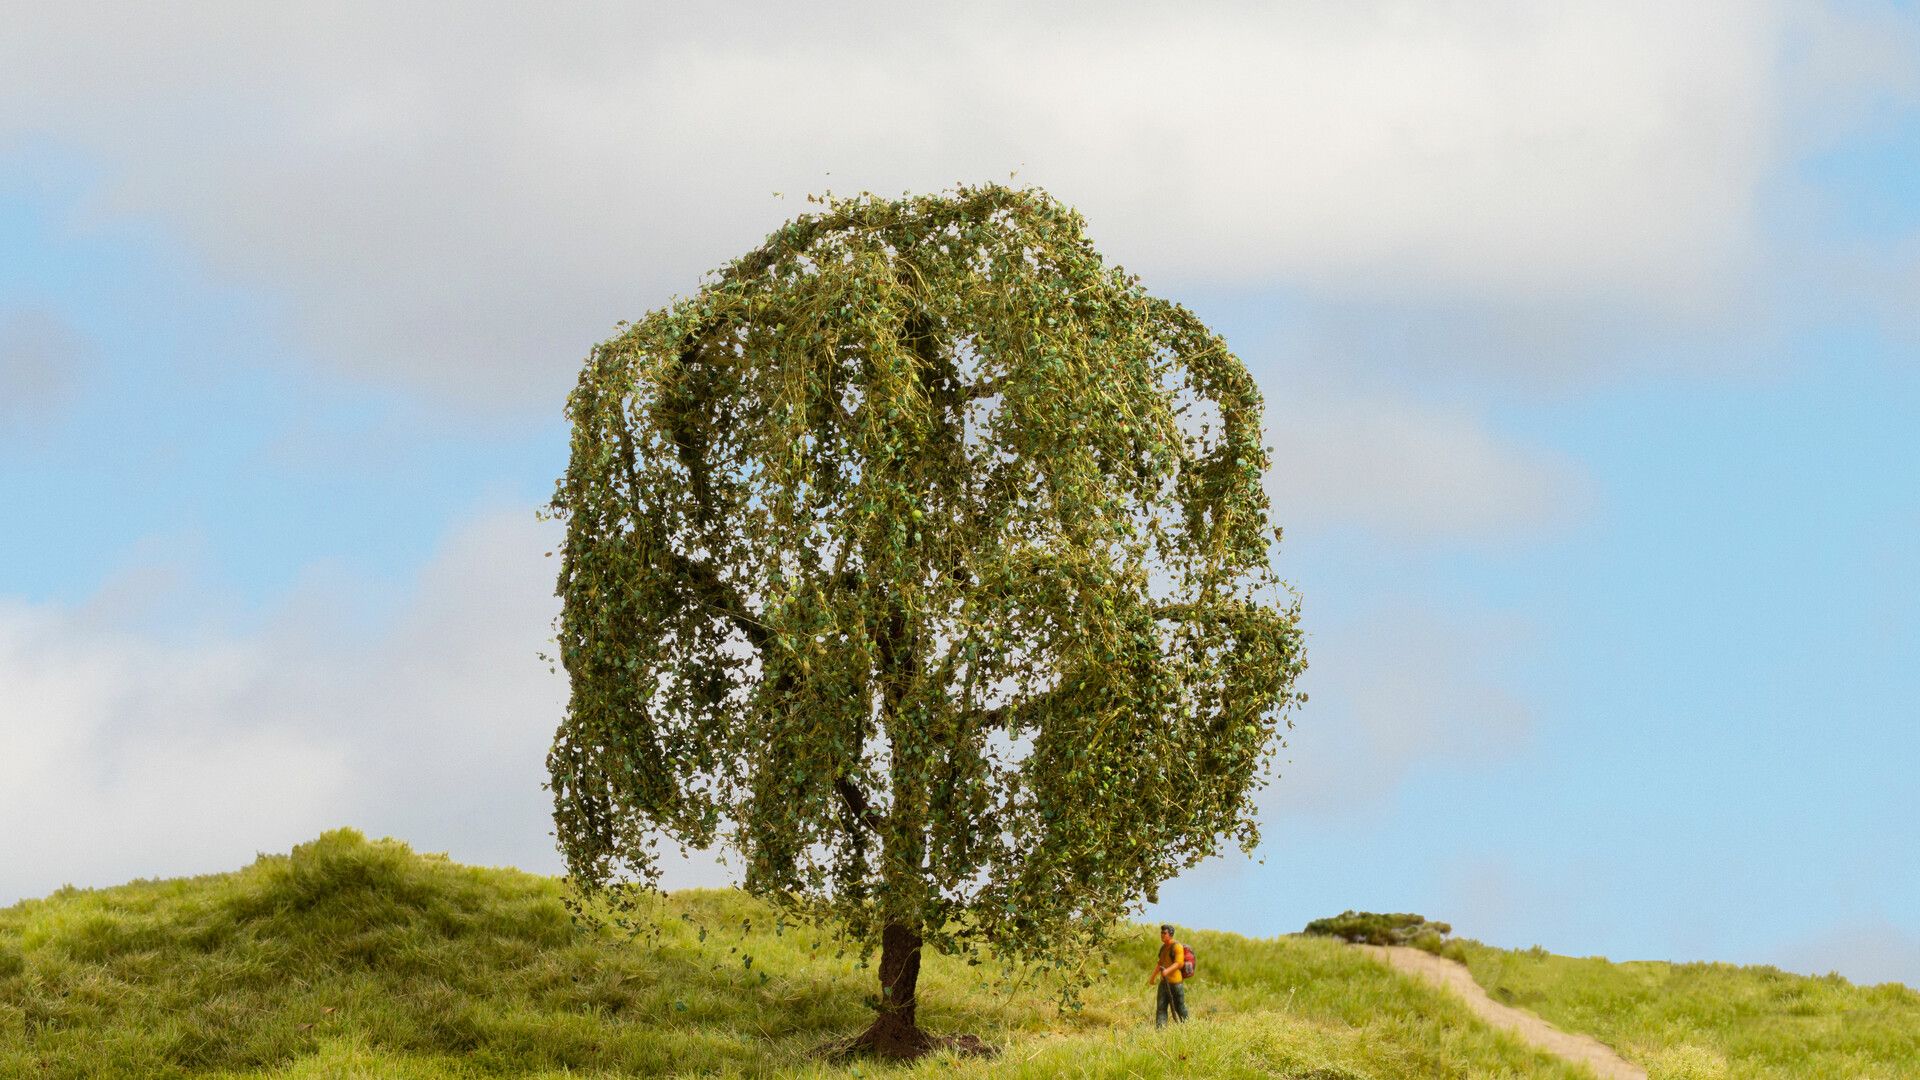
<point>1714,1021</point>
<point>352,958</point>
<point>355,958</point>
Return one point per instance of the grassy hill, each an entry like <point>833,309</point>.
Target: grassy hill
<point>351,958</point>
<point>1714,1020</point>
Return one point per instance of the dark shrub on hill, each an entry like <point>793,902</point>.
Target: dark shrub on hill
<point>1403,928</point>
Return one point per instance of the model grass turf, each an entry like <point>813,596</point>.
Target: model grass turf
<point>353,958</point>
<point>362,959</point>
<point>1715,1021</point>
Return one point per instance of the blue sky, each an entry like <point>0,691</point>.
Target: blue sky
<point>1588,338</point>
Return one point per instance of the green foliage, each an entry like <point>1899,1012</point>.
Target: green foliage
<point>1372,928</point>
<point>924,558</point>
<point>358,959</point>
<point>1715,1021</point>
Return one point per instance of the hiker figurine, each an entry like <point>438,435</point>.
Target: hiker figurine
<point>1172,969</point>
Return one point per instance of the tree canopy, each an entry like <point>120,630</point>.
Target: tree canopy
<point>922,557</point>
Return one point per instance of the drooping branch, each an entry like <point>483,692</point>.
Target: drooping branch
<point>717,596</point>
<point>858,810</point>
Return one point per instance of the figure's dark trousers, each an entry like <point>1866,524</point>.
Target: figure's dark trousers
<point>1173,998</point>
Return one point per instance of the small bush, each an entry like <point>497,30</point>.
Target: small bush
<point>1404,928</point>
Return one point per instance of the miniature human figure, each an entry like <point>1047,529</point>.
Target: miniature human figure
<point>1166,970</point>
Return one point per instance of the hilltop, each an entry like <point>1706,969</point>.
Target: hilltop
<point>350,958</point>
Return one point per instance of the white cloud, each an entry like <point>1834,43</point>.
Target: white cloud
<point>1394,689</point>
<point>1849,66</point>
<point>121,757</point>
<point>126,752</point>
<point>464,202</point>
<point>1404,470</point>
<point>41,362</point>
<point>1867,951</point>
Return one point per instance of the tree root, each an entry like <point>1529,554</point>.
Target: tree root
<point>890,1039</point>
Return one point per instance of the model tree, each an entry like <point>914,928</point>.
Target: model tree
<point>923,558</point>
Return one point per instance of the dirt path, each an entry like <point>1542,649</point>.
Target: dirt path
<point>1580,1049</point>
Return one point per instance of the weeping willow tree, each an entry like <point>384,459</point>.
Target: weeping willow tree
<point>922,558</point>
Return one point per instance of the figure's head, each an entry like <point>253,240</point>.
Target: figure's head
<point>1166,933</point>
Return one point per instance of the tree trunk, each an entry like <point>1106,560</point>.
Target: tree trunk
<point>894,1033</point>
<point>899,971</point>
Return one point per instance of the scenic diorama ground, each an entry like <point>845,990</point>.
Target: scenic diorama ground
<point>358,958</point>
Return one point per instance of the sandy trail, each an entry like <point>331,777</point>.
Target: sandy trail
<point>1580,1049</point>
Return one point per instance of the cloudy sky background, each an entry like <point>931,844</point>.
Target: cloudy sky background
<point>1588,335</point>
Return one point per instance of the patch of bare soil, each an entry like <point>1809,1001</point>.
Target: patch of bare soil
<point>1455,978</point>
<point>900,1043</point>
